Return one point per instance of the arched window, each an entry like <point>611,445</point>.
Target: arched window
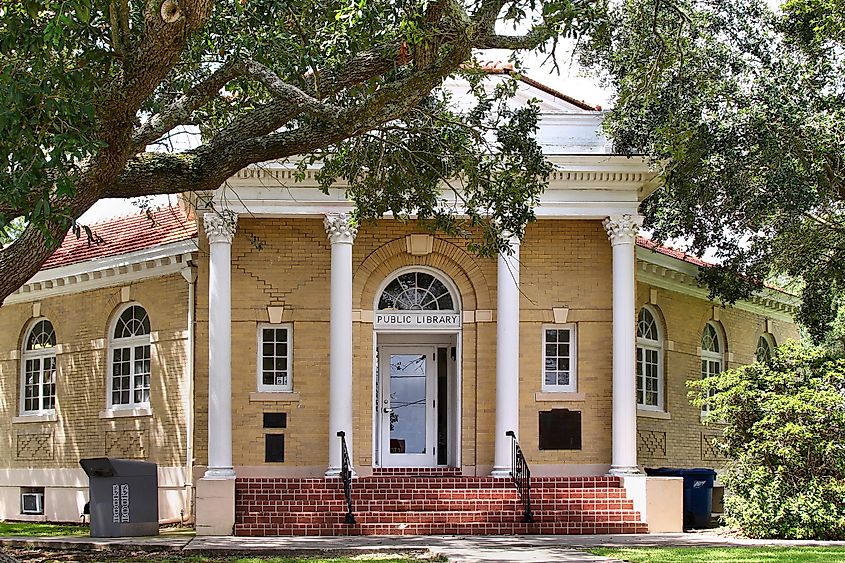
<point>38,393</point>
<point>129,381</point>
<point>649,361</point>
<point>712,352</point>
<point>765,346</point>
<point>416,291</point>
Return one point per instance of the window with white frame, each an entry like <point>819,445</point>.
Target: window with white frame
<point>765,347</point>
<point>129,350</point>
<point>649,361</point>
<point>38,377</point>
<point>275,346</point>
<point>712,353</point>
<point>559,358</point>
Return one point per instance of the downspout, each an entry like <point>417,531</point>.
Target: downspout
<point>190,275</point>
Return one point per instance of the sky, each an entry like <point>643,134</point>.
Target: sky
<point>571,80</point>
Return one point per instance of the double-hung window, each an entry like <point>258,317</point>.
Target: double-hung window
<point>129,351</point>
<point>38,377</point>
<point>765,347</point>
<point>712,354</point>
<point>559,358</point>
<point>275,347</point>
<point>649,361</point>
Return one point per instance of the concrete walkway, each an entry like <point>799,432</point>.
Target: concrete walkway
<point>468,549</point>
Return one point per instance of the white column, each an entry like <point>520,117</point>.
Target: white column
<point>220,230</point>
<point>341,231</point>
<point>507,356</point>
<point>622,232</point>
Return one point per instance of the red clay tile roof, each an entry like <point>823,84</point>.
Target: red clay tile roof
<point>121,235</point>
<point>673,252</point>
<point>499,67</point>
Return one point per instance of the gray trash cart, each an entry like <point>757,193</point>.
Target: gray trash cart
<point>123,497</point>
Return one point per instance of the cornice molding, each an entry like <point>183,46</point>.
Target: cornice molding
<point>106,272</point>
<point>676,275</point>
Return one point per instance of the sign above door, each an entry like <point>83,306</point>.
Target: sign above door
<point>415,320</point>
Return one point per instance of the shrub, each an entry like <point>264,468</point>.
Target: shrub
<point>784,437</point>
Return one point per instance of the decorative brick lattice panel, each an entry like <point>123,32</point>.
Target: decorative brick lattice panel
<point>709,451</point>
<point>651,443</point>
<point>126,444</point>
<point>33,447</point>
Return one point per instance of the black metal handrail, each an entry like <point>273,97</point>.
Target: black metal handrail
<point>346,475</point>
<point>521,475</point>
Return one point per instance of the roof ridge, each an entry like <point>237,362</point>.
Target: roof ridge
<point>502,67</point>
<point>125,216</point>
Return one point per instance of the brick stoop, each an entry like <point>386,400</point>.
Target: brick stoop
<point>438,501</point>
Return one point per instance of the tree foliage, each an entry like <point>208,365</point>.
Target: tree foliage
<point>784,437</point>
<point>742,110</point>
<point>89,86</point>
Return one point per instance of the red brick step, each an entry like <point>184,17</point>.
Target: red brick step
<point>432,501</point>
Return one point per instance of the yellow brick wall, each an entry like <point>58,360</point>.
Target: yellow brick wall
<point>682,440</point>
<point>81,322</point>
<point>286,262</point>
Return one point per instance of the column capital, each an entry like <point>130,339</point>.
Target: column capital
<point>220,227</point>
<point>513,239</point>
<point>623,229</point>
<point>340,228</point>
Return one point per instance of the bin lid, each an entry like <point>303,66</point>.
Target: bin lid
<point>113,467</point>
<point>700,472</point>
<point>664,472</point>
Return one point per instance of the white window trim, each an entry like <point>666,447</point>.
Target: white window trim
<point>40,355</point>
<point>660,347</point>
<point>131,343</point>
<point>713,356</point>
<point>573,359</point>
<point>770,340</point>
<point>259,361</point>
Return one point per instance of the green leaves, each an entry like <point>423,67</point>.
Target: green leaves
<point>747,130</point>
<point>487,155</point>
<point>51,65</point>
<point>784,436</point>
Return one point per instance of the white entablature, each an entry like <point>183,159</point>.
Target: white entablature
<point>580,187</point>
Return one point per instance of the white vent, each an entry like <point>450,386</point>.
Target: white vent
<point>32,503</point>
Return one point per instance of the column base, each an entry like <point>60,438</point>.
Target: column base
<point>623,470</point>
<point>334,472</point>
<point>215,508</point>
<point>501,472</point>
<point>219,473</point>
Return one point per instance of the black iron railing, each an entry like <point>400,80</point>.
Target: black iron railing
<point>346,475</point>
<point>521,475</point>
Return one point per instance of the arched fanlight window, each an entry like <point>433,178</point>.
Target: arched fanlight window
<point>129,383</point>
<point>416,291</point>
<point>38,392</point>
<point>712,352</point>
<point>649,361</point>
<point>765,347</point>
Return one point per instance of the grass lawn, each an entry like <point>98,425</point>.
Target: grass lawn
<point>31,529</point>
<point>725,554</point>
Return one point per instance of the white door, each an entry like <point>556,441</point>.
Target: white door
<point>407,406</point>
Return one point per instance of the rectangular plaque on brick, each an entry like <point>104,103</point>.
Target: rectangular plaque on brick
<point>560,429</point>
<point>275,420</point>
<point>274,447</point>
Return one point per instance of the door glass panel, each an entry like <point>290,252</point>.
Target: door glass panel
<point>407,403</point>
